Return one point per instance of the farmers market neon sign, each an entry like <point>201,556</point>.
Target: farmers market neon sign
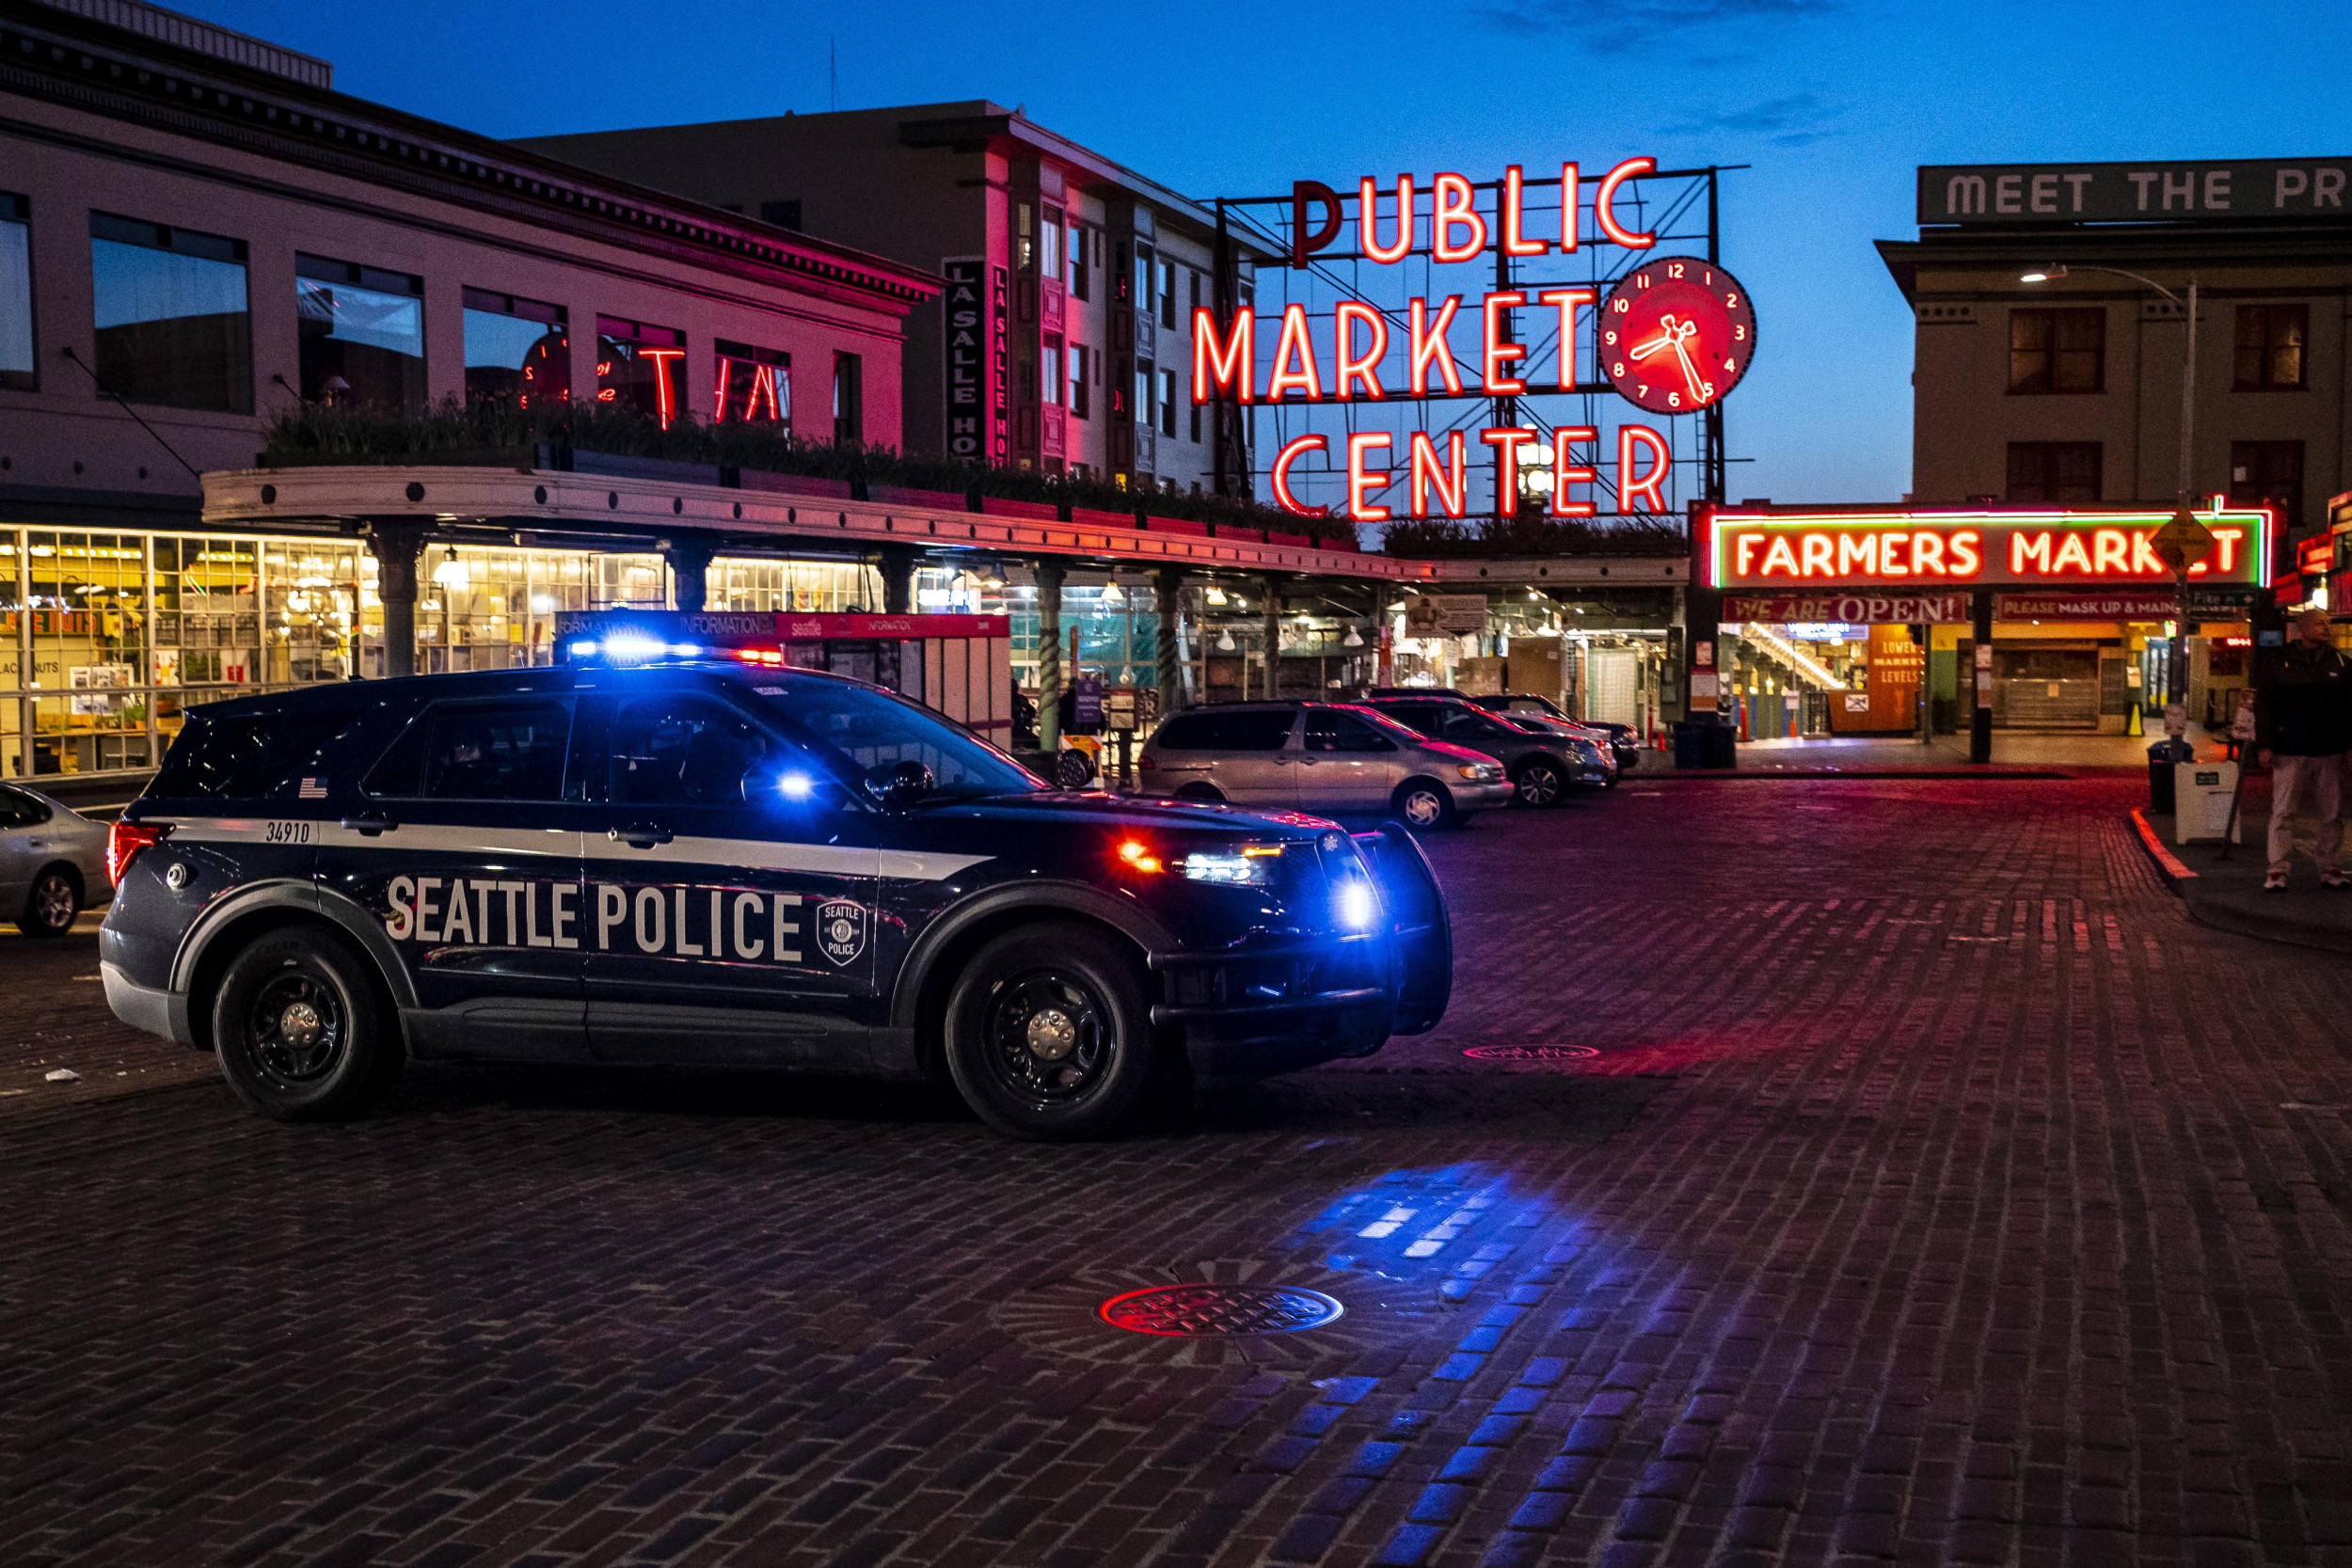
<point>1784,549</point>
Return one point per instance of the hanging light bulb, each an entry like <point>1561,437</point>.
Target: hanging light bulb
<point>1126,675</point>
<point>1354,637</point>
<point>449,572</point>
<point>1215,595</point>
<point>1225,640</point>
<point>1111,593</point>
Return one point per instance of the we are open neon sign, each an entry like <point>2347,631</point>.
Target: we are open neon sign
<point>1428,474</point>
<point>1952,545</point>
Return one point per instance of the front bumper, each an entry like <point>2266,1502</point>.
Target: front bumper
<point>1469,797</point>
<point>1251,1013</point>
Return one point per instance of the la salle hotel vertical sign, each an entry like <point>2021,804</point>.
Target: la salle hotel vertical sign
<point>976,306</point>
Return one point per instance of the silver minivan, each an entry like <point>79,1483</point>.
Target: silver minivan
<point>1323,757</point>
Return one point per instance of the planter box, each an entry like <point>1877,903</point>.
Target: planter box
<point>931,500</point>
<point>620,466</point>
<point>1178,525</point>
<point>1235,530</point>
<point>793,485</point>
<point>522,459</point>
<point>1036,512</point>
<point>1095,517</point>
<point>1297,541</point>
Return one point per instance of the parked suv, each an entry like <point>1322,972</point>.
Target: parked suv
<point>1620,738</point>
<point>1319,757</point>
<point>1543,764</point>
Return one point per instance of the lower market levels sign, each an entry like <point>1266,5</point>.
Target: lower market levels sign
<point>1801,548</point>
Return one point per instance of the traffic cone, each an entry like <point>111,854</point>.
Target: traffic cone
<point>2134,726</point>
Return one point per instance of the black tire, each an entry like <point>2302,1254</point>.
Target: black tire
<point>1049,1033</point>
<point>1422,804</point>
<point>1541,783</point>
<point>1209,792</point>
<point>52,903</point>
<point>302,1029</point>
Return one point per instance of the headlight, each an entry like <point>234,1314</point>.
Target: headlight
<point>1484,772</point>
<point>1467,771</point>
<point>1251,866</point>
<point>1356,905</point>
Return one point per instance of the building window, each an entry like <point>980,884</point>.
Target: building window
<point>1025,240</point>
<point>173,323</point>
<point>2270,340</point>
<point>1049,246</point>
<point>637,367</point>
<point>1140,411</point>
<point>1052,361</point>
<point>849,398</point>
<point>16,295</point>
<point>1196,423</point>
<point>1167,295</point>
<point>2052,473</point>
<point>1078,400</point>
<point>1167,403</point>
<point>362,335</point>
<point>2057,351</point>
<point>1144,270</point>
<point>517,349</point>
<point>755,385</point>
<point>784,215</point>
<point>2269,471</point>
<point>1078,271</point>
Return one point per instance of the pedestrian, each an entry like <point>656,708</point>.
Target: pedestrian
<point>2303,727</point>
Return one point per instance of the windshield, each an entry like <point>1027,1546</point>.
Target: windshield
<point>872,729</point>
<point>1395,730</point>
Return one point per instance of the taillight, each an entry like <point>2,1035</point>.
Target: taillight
<point>1145,765</point>
<point>124,840</point>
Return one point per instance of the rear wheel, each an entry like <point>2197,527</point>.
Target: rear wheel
<point>1540,782</point>
<point>303,1029</point>
<point>1049,1033</point>
<point>1423,803</point>
<point>49,908</point>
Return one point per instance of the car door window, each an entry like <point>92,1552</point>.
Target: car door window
<point>1344,732</point>
<point>501,751</point>
<point>681,748</point>
<point>1462,725</point>
<point>21,811</point>
<point>1418,716</point>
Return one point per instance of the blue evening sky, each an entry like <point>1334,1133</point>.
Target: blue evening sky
<point>1835,104</point>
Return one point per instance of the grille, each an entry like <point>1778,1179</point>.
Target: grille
<point>1195,1311</point>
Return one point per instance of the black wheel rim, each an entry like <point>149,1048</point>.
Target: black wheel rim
<point>52,902</point>
<point>1050,1036</point>
<point>298,1028</point>
<point>1539,786</point>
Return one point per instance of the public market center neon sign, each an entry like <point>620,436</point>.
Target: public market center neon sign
<point>1932,545</point>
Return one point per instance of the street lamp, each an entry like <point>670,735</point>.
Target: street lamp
<point>2182,542</point>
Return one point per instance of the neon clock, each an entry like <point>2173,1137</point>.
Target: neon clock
<point>1676,333</point>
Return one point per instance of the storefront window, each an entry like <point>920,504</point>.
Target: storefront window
<point>89,613</point>
<point>637,367</point>
<point>817,586</point>
<point>517,349</point>
<point>13,627</point>
<point>16,295</point>
<point>171,315</point>
<point>755,385</point>
<point>361,333</point>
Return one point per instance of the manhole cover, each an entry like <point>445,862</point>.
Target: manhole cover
<point>1530,1052</point>
<point>1192,1311</point>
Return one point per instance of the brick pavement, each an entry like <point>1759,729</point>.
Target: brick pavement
<point>1938,1193</point>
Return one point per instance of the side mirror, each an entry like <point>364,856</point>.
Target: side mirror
<point>899,784</point>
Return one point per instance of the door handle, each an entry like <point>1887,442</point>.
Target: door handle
<point>370,827</point>
<point>1305,762</point>
<point>642,835</point>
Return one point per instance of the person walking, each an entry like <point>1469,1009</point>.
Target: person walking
<point>2302,728</point>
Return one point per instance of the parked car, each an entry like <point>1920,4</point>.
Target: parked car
<point>1323,757</point>
<point>1543,764</point>
<point>1622,739</point>
<point>52,862</point>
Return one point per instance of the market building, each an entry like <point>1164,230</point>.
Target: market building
<point>1064,341</point>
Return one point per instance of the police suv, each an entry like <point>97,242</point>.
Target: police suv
<point>718,862</point>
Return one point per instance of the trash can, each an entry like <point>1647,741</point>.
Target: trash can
<point>2162,756</point>
<point>1690,743</point>
<point>1723,746</point>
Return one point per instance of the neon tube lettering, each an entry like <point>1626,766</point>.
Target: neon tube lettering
<point>764,381</point>
<point>2225,542</point>
<point>1569,302</point>
<point>1568,183</point>
<point>1632,484</point>
<point>1427,472</point>
<point>2028,550</point>
<point>1813,550</point>
<point>1368,217</point>
<point>1506,440</point>
<point>1966,563</point>
<point>2071,554</point>
<point>1780,558</point>
<point>1280,476</point>
<point>1926,554</point>
<point>1230,367</point>
<point>2110,552</point>
<point>719,393</point>
<point>1857,556</point>
<point>1297,345</point>
<point>1499,352</point>
<point>1565,473</point>
<point>1353,367</point>
<point>1894,562</point>
<point>1513,216</point>
<point>1428,344</point>
<point>1360,483</point>
<point>1449,208</point>
<point>664,401</point>
<point>1605,204</point>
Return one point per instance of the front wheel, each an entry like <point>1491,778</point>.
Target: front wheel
<point>1422,804</point>
<point>1541,783</point>
<point>303,1030</point>
<point>1049,1033</point>
<point>49,908</point>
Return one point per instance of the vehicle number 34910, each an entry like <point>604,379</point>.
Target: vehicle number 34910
<point>286,832</point>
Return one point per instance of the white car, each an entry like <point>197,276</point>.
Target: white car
<point>52,862</point>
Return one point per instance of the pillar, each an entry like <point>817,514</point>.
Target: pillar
<point>898,574</point>
<point>1273,622</point>
<point>690,572</point>
<point>1049,575</point>
<point>1702,656</point>
<point>1168,588</point>
<point>395,543</point>
<point>1981,714</point>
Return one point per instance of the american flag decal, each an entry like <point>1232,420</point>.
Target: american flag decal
<point>312,789</point>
